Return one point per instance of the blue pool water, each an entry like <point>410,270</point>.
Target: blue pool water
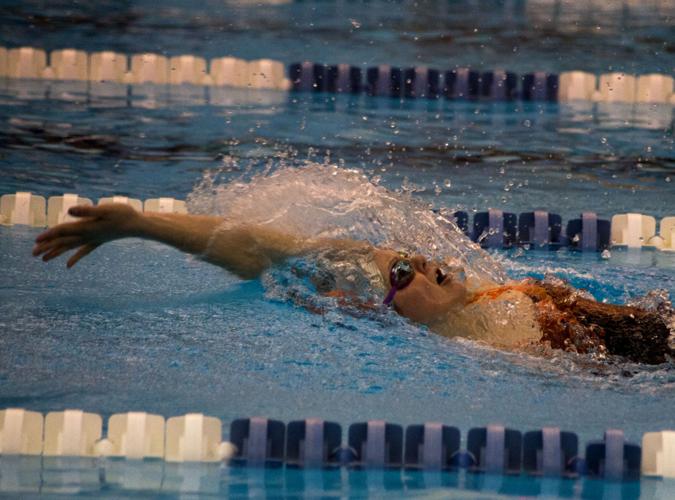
<point>565,158</point>
<point>138,326</point>
<point>115,479</point>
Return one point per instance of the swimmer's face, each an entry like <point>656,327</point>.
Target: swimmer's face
<point>430,294</point>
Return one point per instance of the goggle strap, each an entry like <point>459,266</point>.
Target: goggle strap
<point>390,296</point>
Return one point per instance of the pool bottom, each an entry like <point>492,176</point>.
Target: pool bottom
<point>30,476</point>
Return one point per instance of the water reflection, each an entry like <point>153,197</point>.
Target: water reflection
<point>114,477</point>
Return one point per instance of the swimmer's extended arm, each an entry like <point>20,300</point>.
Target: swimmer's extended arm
<point>245,250</point>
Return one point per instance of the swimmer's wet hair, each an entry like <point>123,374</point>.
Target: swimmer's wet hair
<point>575,323</point>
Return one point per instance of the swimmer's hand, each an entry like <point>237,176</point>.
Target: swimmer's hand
<point>96,225</point>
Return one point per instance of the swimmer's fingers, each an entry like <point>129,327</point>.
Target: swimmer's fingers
<point>56,251</point>
<point>55,247</point>
<point>107,211</point>
<point>84,211</point>
<point>101,223</point>
<point>78,228</point>
<point>89,214</point>
<point>99,211</point>
<point>83,251</point>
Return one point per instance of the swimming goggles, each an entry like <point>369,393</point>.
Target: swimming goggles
<point>400,276</point>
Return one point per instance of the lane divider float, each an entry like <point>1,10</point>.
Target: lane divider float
<point>493,228</point>
<point>315,443</point>
<point>382,80</point>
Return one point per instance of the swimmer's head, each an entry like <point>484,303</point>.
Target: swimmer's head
<point>419,290</point>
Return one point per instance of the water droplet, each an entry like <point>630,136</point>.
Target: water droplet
<point>448,184</point>
<point>355,24</point>
<point>527,123</point>
<point>606,254</point>
<point>603,140</point>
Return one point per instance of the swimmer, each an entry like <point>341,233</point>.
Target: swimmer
<point>425,292</point>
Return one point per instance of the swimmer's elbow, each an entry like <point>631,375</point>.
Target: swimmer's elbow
<point>246,267</point>
<point>250,272</point>
<point>248,251</point>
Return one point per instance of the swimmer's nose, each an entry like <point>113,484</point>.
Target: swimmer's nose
<point>420,263</point>
<point>432,271</point>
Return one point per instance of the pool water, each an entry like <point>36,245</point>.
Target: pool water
<point>563,158</point>
<point>138,326</point>
<point>120,478</point>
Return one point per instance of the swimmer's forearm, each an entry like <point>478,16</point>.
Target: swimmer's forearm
<point>189,233</point>
<point>245,250</point>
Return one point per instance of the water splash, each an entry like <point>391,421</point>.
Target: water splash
<point>323,200</point>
